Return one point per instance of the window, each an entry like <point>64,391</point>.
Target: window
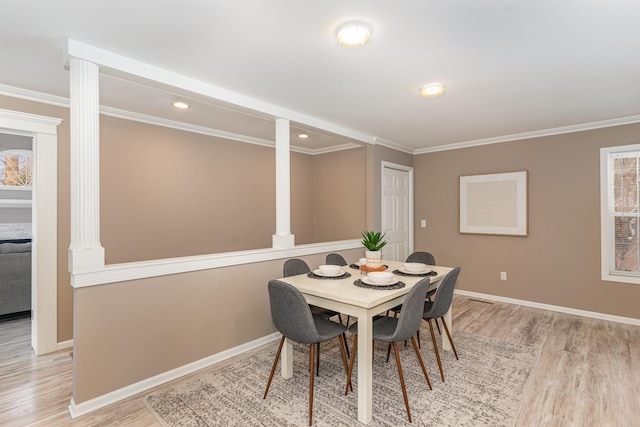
<point>16,169</point>
<point>620,213</point>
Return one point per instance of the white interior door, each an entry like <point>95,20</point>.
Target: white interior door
<point>397,211</point>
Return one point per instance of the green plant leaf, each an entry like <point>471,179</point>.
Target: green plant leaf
<point>373,240</point>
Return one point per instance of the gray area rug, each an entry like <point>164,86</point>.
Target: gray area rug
<point>483,388</point>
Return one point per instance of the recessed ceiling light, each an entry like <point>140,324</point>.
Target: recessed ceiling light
<point>432,90</point>
<point>303,136</point>
<point>353,34</point>
<point>181,105</point>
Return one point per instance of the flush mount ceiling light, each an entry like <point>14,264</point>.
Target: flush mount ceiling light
<point>353,34</point>
<point>181,105</point>
<point>432,90</point>
<point>303,136</point>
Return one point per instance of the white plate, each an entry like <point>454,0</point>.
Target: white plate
<point>320,273</point>
<point>372,283</point>
<point>425,271</point>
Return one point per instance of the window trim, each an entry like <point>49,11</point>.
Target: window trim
<point>607,238</point>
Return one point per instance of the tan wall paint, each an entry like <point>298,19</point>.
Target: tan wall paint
<point>559,262</point>
<point>339,191</point>
<point>167,193</point>
<point>65,294</point>
<point>130,331</point>
<point>302,198</point>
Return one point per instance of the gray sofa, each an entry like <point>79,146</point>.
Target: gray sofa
<point>15,277</point>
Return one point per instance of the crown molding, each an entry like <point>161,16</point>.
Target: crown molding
<point>535,134</point>
<point>157,121</point>
<point>152,120</point>
<point>30,95</point>
<point>393,145</point>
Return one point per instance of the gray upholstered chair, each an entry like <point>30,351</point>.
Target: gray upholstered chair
<point>438,308</point>
<point>295,266</point>
<point>397,329</point>
<point>335,259</point>
<point>422,257</point>
<point>293,319</point>
<point>429,259</point>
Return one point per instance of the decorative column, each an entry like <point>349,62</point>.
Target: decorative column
<point>85,252</point>
<point>283,237</point>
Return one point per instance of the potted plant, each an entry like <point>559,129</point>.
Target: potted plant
<point>373,241</point>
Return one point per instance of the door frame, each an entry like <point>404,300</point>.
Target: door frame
<point>389,165</point>
<point>44,217</point>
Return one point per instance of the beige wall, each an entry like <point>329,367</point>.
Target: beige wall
<point>130,331</point>
<point>302,198</point>
<point>559,262</point>
<point>339,195</point>
<point>167,193</point>
<point>65,294</point>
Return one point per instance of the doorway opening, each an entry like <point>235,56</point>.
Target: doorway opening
<point>43,133</point>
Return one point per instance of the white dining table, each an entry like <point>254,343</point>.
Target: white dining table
<point>343,296</point>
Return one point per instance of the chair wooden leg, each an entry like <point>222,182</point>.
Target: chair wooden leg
<point>404,388</point>
<point>273,367</point>
<point>424,369</point>
<point>345,357</point>
<point>435,348</point>
<point>446,328</point>
<point>346,345</point>
<point>354,348</point>
<point>311,369</point>
<point>317,358</point>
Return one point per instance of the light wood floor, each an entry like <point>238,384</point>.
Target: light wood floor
<point>588,373</point>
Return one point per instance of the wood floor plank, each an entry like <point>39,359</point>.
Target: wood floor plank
<point>588,372</point>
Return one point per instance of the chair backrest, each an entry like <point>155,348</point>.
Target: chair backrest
<point>423,257</point>
<point>444,295</point>
<point>291,314</point>
<point>295,266</point>
<point>336,259</point>
<point>411,314</point>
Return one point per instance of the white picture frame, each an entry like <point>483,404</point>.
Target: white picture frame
<point>494,204</point>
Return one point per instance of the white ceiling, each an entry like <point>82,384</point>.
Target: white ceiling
<point>511,67</point>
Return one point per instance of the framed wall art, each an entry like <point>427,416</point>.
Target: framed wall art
<point>494,204</point>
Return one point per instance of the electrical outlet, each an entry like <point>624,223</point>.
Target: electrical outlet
<point>503,275</point>
<point>423,223</point>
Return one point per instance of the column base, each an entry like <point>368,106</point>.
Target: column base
<point>283,241</point>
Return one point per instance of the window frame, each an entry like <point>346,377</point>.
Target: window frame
<point>607,218</point>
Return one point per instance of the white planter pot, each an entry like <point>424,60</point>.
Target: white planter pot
<point>374,259</point>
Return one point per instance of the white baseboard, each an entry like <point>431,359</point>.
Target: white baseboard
<point>560,309</point>
<point>76,410</point>
<point>64,345</point>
